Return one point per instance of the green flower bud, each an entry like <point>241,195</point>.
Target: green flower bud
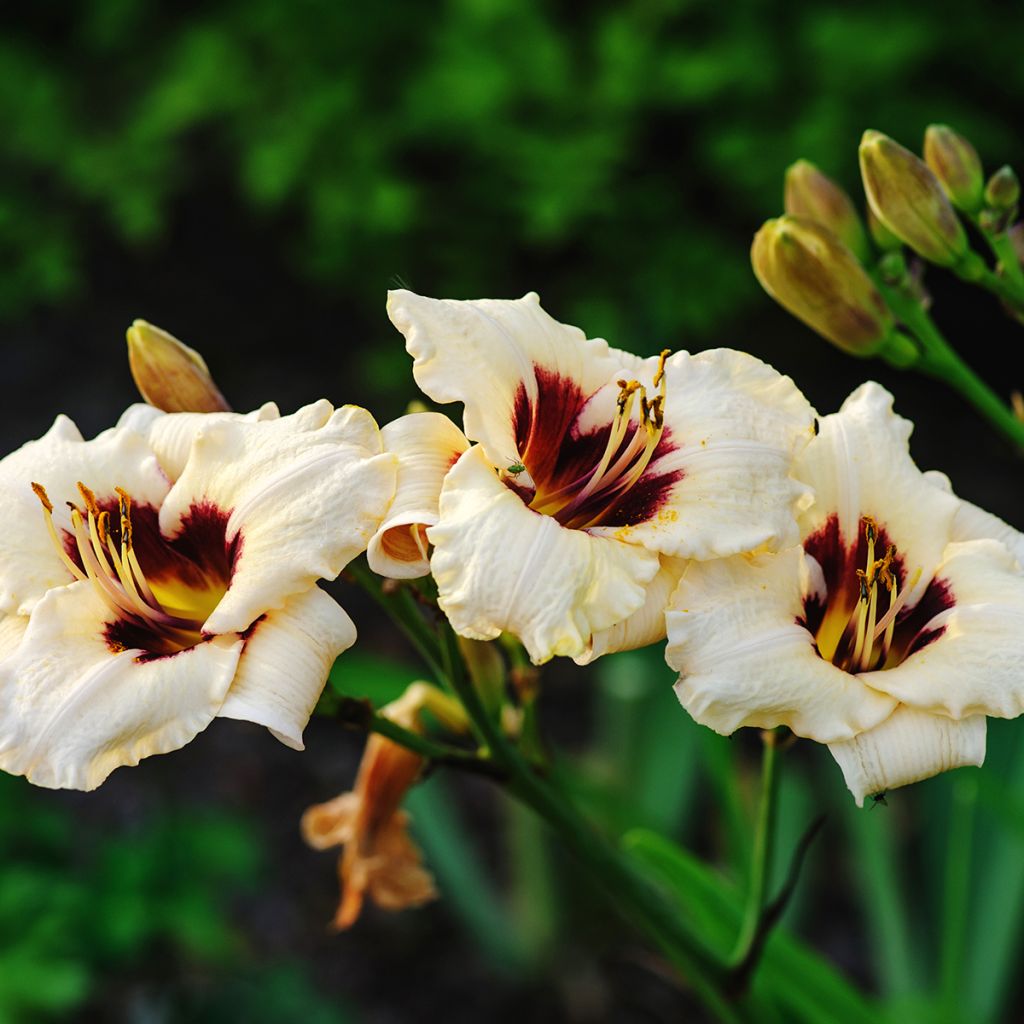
<point>881,235</point>
<point>815,196</point>
<point>170,375</point>
<point>1003,189</point>
<point>955,162</point>
<point>809,272</point>
<point>908,199</point>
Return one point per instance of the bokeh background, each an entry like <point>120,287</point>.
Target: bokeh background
<point>253,176</point>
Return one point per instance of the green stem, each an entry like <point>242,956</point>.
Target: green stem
<point>1003,250</point>
<point>974,270</point>
<point>764,837</point>
<point>940,360</point>
<point>626,889</point>
<point>403,607</point>
<point>957,897</point>
<point>431,750</point>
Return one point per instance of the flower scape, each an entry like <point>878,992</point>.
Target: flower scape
<point>801,573</point>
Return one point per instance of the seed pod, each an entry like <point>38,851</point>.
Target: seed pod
<point>809,272</point>
<point>907,198</point>
<point>814,196</point>
<point>956,164</point>
<point>169,374</point>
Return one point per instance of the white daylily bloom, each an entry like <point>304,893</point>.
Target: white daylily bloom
<point>594,473</point>
<point>427,445</point>
<point>166,573</point>
<point>889,633</point>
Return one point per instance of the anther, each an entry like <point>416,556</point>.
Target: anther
<point>40,492</point>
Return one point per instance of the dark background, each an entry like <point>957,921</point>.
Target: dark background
<point>253,176</point>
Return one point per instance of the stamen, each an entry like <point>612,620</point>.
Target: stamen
<point>40,493</point>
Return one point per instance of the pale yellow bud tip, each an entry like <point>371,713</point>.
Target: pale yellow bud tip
<point>169,374</point>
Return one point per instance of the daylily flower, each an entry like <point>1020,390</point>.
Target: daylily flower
<point>380,859</point>
<point>164,574</point>
<point>595,472</point>
<point>889,633</point>
<point>427,445</point>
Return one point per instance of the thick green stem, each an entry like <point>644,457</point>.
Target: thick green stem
<point>939,359</point>
<point>761,866</point>
<point>1003,250</point>
<point>402,606</point>
<point>974,270</point>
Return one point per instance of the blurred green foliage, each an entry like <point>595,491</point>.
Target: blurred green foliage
<point>623,152</point>
<point>85,915</point>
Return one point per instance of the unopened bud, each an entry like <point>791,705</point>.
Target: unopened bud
<point>908,199</point>
<point>812,195</point>
<point>956,164</point>
<point>1003,190</point>
<point>881,235</point>
<point>807,270</point>
<point>169,374</point>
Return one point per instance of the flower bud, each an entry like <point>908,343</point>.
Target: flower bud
<point>807,270</point>
<point>169,374</point>
<point>955,162</point>
<point>881,235</point>
<point>1003,190</point>
<point>908,199</point>
<point>814,196</point>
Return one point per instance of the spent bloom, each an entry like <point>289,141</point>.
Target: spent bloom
<point>165,573</point>
<point>379,858</point>
<point>890,632</point>
<point>593,472</point>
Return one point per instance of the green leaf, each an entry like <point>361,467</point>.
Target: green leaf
<point>792,977</point>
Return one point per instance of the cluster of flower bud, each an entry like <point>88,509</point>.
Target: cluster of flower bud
<point>820,263</point>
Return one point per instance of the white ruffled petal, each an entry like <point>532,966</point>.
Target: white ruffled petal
<point>907,747</point>
<point>501,567</point>
<point>647,624</point>
<point>744,660</point>
<point>304,493</point>
<point>12,629</point>
<point>72,709</point>
<point>29,562</point>
<point>732,428</point>
<point>860,465</point>
<point>171,434</point>
<point>287,657</point>
<point>974,663</point>
<point>427,444</point>
<point>481,352</point>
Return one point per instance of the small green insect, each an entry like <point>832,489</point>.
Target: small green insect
<point>516,468</point>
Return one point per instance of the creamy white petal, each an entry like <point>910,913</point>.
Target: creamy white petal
<point>744,660</point>
<point>479,353</point>
<point>29,562</point>
<point>305,494</point>
<point>647,624</point>
<point>860,465</point>
<point>72,710</point>
<point>427,445</point>
<point>170,434</point>
<point>907,747</point>
<point>735,425</point>
<point>282,671</point>
<point>976,665</point>
<point>501,567</point>
<point>12,629</point>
